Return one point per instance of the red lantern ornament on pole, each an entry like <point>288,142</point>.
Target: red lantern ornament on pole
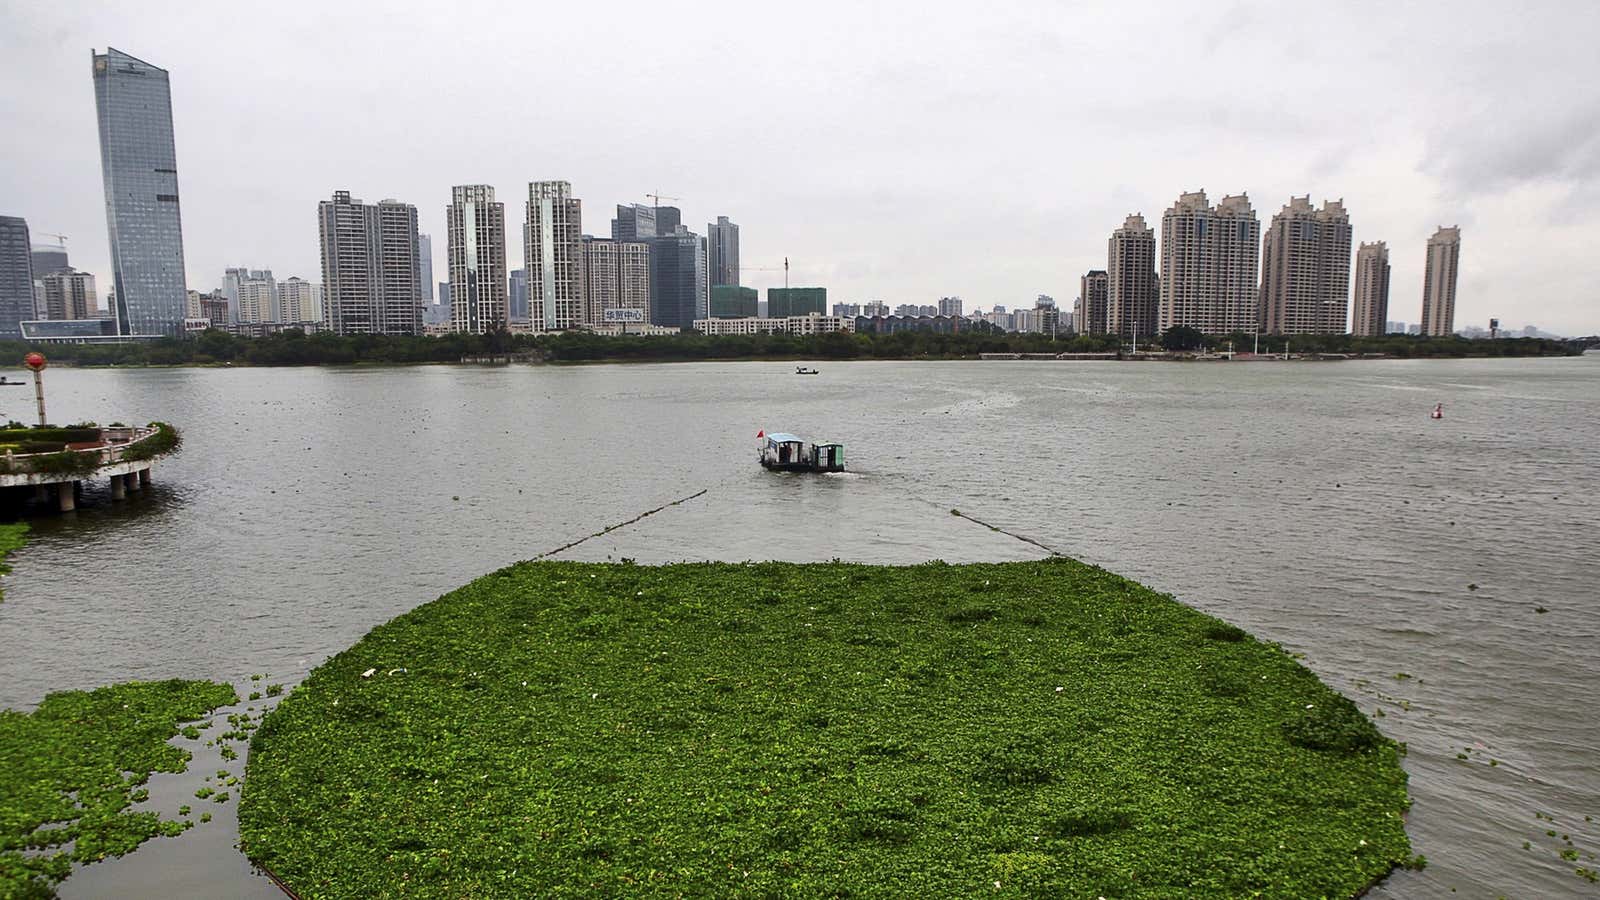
<point>37,362</point>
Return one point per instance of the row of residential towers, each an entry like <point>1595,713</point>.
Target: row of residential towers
<point>651,269</point>
<point>1205,275</point>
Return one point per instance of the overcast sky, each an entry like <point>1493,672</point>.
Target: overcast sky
<point>891,151</point>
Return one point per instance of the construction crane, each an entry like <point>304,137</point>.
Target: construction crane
<point>657,197</point>
<point>60,238</point>
<point>770,269</point>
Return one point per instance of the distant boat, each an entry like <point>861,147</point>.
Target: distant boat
<point>6,382</point>
<point>784,452</point>
<point>1438,412</point>
<point>802,370</point>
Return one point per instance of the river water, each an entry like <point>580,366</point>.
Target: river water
<point>1441,572</point>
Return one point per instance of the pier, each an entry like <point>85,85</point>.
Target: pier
<point>54,461</point>
<point>124,456</point>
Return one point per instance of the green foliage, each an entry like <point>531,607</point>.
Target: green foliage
<point>65,462</point>
<point>49,434</point>
<point>1182,337</point>
<point>568,729</point>
<point>166,440</point>
<point>294,348</point>
<point>62,775</point>
<point>12,536</point>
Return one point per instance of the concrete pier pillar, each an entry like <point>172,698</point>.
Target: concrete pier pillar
<point>144,477</point>
<point>131,480</point>
<point>68,492</point>
<point>119,488</point>
<point>41,493</point>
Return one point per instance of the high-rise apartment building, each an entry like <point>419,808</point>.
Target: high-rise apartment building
<point>1133,292</point>
<point>476,223</point>
<point>616,275</point>
<point>139,163</point>
<point>298,301</point>
<point>1439,282</point>
<point>1305,269</point>
<point>553,253</point>
<point>1371,314</point>
<point>679,291</point>
<point>1208,264</point>
<point>950,306</point>
<point>425,266</point>
<point>70,294</point>
<point>258,298</point>
<point>722,249</point>
<point>371,277</point>
<point>634,222</point>
<point>1047,315</point>
<point>233,281</point>
<point>213,308</point>
<point>1089,313</point>
<point>517,295</point>
<point>16,276</point>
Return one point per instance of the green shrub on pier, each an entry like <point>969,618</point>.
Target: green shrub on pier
<point>66,462</point>
<point>71,770</point>
<point>1019,729</point>
<point>166,440</point>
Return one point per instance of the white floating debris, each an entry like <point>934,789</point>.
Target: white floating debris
<point>397,671</point>
<point>1060,689</point>
<point>368,673</point>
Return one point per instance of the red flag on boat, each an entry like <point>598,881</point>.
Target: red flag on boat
<point>762,433</point>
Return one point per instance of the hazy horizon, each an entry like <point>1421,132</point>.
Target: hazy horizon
<point>890,152</point>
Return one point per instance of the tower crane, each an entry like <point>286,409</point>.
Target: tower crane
<point>658,197</point>
<point>60,238</point>
<point>770,269</point>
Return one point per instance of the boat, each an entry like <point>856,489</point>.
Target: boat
<point>802,370</point>
<point>784,452</point>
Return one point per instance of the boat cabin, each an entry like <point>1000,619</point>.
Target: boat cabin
<point>785,453</point>
<point>827,458</point>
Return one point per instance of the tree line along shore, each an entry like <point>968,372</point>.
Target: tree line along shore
<point>294,348</point>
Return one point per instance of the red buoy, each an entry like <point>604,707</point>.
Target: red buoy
<point>1438,412</point>
<point>34,361</point>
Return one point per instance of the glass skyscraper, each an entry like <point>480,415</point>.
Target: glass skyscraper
<point>16,276</point>
<point>140,164</point>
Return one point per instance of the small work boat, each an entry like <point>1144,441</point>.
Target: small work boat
<point>784,452</point>
<point>802,370</point>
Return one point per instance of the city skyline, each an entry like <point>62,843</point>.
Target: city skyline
<point>1401,173</point>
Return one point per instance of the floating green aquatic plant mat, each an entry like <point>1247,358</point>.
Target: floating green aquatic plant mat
<point>1039,728</point>
<point>70,770</point>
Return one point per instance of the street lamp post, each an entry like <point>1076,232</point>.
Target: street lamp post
<point>36,362</point>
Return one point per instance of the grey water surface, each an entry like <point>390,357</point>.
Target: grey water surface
<point>1314,504</point>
